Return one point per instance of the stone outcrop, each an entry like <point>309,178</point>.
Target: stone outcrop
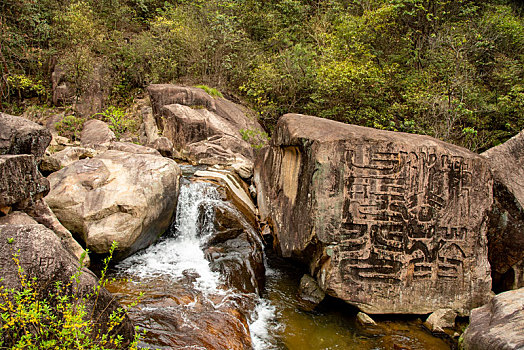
<point>20,180</point>
<point>389,222</point>
<point>96,134</point>
<point>22,136</point>
<point>235,250</point>
<point>506,228</point>
<point>133,148</point>
<point>498,325</point>
<point>126,197</point>
<point>204,128</point>
<point>236,190</point>
<point>42,256</point>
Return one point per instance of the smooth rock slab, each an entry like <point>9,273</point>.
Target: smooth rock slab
<point>498,325</point>
<point>121,196</point>
<point>389,222</point>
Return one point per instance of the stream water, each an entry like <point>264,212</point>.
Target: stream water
<point>186,305</point>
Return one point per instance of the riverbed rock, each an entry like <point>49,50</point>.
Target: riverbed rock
<point>389,222</point>
<point>117,196</point>
<point>236,189</point>
<point>21,136</point>
<point>209,128</point>
<point>498,325</point>
<point>506,228</point>
<point>20,180</point>
<point>96,134</point>
<point>42,256</point>
<point>365,320</point>
<point>309,293</point>
<point>235,250</point>
<point>440,319</point>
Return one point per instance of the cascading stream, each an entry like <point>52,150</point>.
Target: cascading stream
<point>180,254</point>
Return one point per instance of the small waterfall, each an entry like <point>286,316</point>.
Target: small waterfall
<point>179,254</point>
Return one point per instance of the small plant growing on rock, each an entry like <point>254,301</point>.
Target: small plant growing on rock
<point>70,127</point>
<point>256,138</point>
<point>60,320</point>
<point>210,91</point>
<point>118,121</point>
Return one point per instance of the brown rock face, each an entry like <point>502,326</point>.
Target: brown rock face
<point>208,129</point>
<point>498,325</point>
<point>42,256</point>
<point>506,227</point>
<point>388,222</point>
<point>22,136</point>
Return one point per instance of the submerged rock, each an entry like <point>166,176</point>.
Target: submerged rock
<point>506,225</point>
<point>309,293</point>
<point>117,196</point>
<point>498,325</point>
<point>235,250</point>
<point>388,222</point>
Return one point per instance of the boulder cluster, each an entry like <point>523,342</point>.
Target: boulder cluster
<point>389,222</point>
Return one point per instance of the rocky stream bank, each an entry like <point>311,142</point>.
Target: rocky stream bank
<point>380,231</point>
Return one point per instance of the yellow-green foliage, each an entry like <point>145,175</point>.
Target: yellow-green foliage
<point>118,121</point>
<point>70,127</point>
<point>60,320</point>
<point>211,91</point>
<point>257,139</point>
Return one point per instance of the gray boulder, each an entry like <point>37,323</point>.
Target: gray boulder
<point>506,226</point>
<point>96,134</point>
<point>20,181</point>
<point>22,136</point>
<point>389,222</point>
<point>208,129</point>
<point>498,325</point>
<point>309,293</point>
<point>121,196</point>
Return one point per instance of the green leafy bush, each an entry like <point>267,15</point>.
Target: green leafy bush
<point>60,320</point>
<point>118,121</point>
<point>70,127</point>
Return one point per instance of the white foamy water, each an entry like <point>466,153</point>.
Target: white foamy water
<point>181,253</point>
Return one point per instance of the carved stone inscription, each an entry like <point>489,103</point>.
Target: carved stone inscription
<point>404,216</point>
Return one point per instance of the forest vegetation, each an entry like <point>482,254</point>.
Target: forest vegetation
<point>450,69</point>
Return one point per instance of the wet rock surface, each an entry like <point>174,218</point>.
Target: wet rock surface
<point>389,222</point>
<point>506,226</point>
<point>235,251</point>
<point>41,255</point>
<point>309,293</point>
<point>497,325</point>
<point>121,196</point>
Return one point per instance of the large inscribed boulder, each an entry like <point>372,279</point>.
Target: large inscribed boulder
<point>389,222</point>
